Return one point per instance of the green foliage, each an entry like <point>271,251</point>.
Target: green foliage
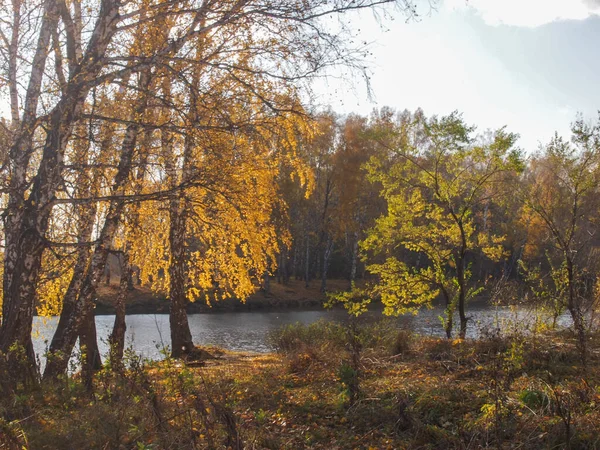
<point>534,399</point>
<point>436,181</point>
<point>549,289</point>
<point>348,378</point>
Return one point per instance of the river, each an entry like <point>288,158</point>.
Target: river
<point>148,334</point>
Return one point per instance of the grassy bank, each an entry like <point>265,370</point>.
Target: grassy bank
<point>333,387</point>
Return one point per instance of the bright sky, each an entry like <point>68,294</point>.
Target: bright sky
<point>531,65</point>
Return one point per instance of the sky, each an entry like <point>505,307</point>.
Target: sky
<point>529,65</point>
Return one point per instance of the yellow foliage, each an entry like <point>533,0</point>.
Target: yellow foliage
<point>436,184</point>
<point>230,236</point>
<point>58,272</point>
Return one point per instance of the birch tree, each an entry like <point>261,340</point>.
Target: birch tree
<point>73,51</point>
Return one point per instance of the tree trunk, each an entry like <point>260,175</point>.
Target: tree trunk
<point>307,263</point>
<point>326,260</point>
<point>461,305</point>
<point>295,264</point>
<point>117,336</point>
<point>462,299</point>
<point>279,277</point>
<point>57,360</point>
<point>182,344</point>
<point>353,259</point>
<point>574,307</point>
<point>84,305</point>
<point>126,285</point>
<point>267,282</point>
<point>27,220</point>
<point>449,313</point>
<point>181,336</point>
<point>17,319</point>
<point>88,345</point>
<point>281,266</point>
<point>462,282</point>
<point>284,265</point>
<point>23,247</point>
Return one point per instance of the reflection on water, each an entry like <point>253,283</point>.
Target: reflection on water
<point>148,334</point>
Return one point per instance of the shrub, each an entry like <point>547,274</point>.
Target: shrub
<point>534,399</point>
<point>296,337</point>
<point>403,343</point>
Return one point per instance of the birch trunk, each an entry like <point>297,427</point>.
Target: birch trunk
<point>353,259</point>
<point>27,219</point>
<point>84,304</point>
<point>326,260</point>
<point>117,336</point>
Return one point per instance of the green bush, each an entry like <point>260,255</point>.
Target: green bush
<point>534,399</point>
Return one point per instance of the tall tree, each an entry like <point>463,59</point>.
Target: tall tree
<point>560,194</point>
<point>435,180</point>
<point>84,43</point>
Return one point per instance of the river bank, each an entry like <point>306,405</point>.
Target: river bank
<point>293,295</point>
<point>410,392</point>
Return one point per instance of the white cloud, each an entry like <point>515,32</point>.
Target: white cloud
<point>527,13</point>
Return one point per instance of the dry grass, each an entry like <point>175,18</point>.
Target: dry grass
<point>493,393</point>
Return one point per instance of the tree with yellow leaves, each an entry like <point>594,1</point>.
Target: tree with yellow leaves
<point>436,181</point>
<point>75,52</point>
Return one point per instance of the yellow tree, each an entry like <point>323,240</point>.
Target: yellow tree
<point>226,238</point>
<point>70,51</point>
<point>435,181</point>
<point>359,204</point>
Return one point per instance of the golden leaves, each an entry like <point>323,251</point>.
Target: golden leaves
<point>438,191</point>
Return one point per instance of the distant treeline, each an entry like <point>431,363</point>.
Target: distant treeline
<point>426,208</point>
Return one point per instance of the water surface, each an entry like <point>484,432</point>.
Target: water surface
<point>148,334</point>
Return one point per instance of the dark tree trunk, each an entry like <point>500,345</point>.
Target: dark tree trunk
<point>307,263</point>
<point>58,357</point>
<point>181,336</point>
<point>326,259</point>
<point>449,313</point>
<point>279,277</point>
<point>284,265</point>
<point>281,266</point>
<point>20,278</point>
<point>182,344</point>
<point>84,304</point>
<point>576,312</point>
<point>295,264</point>
<point>462,299</point>
<point>88,345</point>
<point>29,222</point>
<point>353,259</point>
<point>462,282</point>
<point>17,319</point>
<point>267,282</point>
<point>117,336</point>
<point>57,360</point>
